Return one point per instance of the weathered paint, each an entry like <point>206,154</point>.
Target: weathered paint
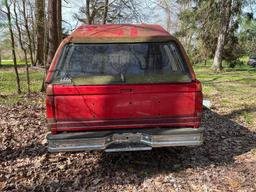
<point>112,33</point>
<point>76,108</point>
<point>123,33</point>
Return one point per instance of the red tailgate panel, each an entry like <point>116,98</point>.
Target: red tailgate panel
<point>125,105</point>
<point>79,108</point>
<point>119,102</point>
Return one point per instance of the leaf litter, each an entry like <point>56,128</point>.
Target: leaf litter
<point>225,162</point>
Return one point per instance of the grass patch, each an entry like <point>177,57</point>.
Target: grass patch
<point>231,90</point>
<point>8,84</point>
<point>248,117</point>
<point>225,101</point>
<point>10,62</point>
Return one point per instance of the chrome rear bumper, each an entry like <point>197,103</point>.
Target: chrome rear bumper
<point>125,140</point>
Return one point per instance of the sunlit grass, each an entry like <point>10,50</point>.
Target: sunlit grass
<point>10,62</point>
<point>231,91</point>
<point>8,81</point>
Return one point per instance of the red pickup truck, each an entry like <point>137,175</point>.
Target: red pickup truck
<point>122,88</point>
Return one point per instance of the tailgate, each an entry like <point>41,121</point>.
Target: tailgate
<point>79,108</point>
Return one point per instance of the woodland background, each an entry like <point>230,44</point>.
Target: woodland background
<point>214,31</point>
<point>218,35</point>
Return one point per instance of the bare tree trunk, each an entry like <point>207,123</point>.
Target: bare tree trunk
<point>30,46</point>
<point>217,61</point>
<point>40,31</point>
<point>59,21</point>
<point>168,19</point>
<point>165,4</point>
<point>22,45</point>
<point>88,15</point>
<point>8,14</point>
<point>224,24</point>
<point>105,12</point>
<point>46,43</point>
<point>53,32</point>
<point>52,39</point>
<point>33,36</point>
<point>0,58</point>
<point>46,49</point>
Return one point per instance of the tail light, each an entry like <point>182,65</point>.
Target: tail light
<point>50,111</point>
<point>198,102</point>
<point>49,102</point>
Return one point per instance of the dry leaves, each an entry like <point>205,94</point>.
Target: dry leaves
<point>226,162</point>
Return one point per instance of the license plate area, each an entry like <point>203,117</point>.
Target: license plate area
<point>127,142</point>
<point>126,137</point>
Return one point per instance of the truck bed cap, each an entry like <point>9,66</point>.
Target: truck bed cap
<point>119,33</point>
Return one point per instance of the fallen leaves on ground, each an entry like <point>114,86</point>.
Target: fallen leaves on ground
<point>225,162</point>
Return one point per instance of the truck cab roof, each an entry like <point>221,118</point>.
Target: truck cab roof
<point>120,33</point>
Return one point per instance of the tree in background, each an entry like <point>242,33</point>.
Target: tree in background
<point>105,11</point>
<point>197,29</point>
<point>210,29</point>
<point>54,28</point>
<point>0,56</point>
<point>53,32</point>
<point>223,26</point>
<point>9,19</point>
<point>247,35</point>
<point>21,42</point>
<point>40,31</point>
<point>32,24</point>
<point>188,30</point>
<point>59,20</point>
<point>213,29</point>
<point>171,9</point>
<point>24,13</point>
<point>1,26</point>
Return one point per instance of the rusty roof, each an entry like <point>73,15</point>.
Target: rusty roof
<point>119,33</point>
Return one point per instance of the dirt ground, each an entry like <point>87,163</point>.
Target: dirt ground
<point>225,162</point>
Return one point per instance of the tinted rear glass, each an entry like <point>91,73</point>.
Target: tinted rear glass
<point>100,64</point>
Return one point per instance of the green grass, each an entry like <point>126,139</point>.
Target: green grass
<point>247,117</point>
<point>229,81</point>
<point>8,84</point>
<point>10,62</point>
<point>231,91</point>
<point>239,66</point>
